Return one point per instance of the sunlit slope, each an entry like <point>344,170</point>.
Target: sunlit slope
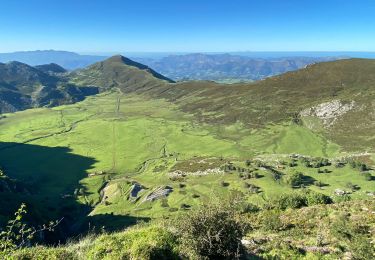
<point>122,131</point>
<point>344,89</point>
<point>86,157</point>
<point>121,136</point>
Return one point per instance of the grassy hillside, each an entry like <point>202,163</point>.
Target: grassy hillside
<point>147,148</point>
<point>89,155</point>
<point>23,87</point>
<point>349,83</point>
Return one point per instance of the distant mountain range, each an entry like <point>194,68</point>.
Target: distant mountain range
<point>68,60</point>
<point>227,68</point>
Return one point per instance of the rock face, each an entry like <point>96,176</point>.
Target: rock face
<point>160,192</point>
<point>329,112</point>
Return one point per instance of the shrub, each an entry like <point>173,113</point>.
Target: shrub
<point>164,203</point>
<point>343,198</point>
<point>298,200</point>
<point>185,206</point>
<point>270,220</point>
<point>224,184</point>
<point>17,234</point>
<point>295,179</point>
<point>315,198</point>
<point>293,200</point>
<point>292,164</point>
<point>211,232</point>
<point>367,176</point>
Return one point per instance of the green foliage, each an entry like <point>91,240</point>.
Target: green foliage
<point>367,176</point>
<point>315,198</point>
<point>318,184</point>
<point>271,220</point>
<point>358,165</point>
<point>212,232</point>
<point>42,253</point>
<point>355,234</point>
<point>298,200</point>
<point>17,234</point>
<point>343,198</point>
<point>295,179</point>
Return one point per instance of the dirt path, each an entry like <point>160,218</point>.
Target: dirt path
<point>114,138</point>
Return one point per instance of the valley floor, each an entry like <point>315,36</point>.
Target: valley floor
<point>117,155</point>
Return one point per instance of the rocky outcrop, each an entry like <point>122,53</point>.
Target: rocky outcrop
<point>329,112</point>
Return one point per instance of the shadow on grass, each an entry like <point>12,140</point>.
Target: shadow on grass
<point>308,180</point>
<point>50,177</point>
<point>110,222</point>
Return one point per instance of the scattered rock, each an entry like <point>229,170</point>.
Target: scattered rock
<point>158,193</point>
<point>340,192</point>
<point>329,112</point>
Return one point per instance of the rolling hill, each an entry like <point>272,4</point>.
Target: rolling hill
<point>146,147</point>
<point>23,86</point>
<point>344,88</point>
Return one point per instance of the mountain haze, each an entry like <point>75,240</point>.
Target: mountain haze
<point>68,60</point>
<point>228,67</point>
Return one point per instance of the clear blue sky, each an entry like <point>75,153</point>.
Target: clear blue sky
<point>187,25</point>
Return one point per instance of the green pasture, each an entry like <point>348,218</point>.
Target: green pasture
<point>66,154</point>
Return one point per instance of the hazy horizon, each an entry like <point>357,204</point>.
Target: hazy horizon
<point>251,54</point>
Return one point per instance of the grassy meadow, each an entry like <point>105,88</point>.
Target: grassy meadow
<point>88,156</point>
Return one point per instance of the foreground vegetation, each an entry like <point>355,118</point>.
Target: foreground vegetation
<point>280,230</point>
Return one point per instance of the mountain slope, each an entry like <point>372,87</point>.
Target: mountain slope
<point>51,68</point>
<point>273,100</point>
<point>119,72</point>
<point>23,86</point>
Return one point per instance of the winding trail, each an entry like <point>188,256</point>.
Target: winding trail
<point>114,139</point>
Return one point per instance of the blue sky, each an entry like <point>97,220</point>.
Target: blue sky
<point>187,25</point>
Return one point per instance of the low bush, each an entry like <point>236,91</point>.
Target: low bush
<point>271,220</point>
<point>295,179</point>
<point>298,200</point>
<point>211,232</point>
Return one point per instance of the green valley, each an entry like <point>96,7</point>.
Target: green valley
<point>146,148</point>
